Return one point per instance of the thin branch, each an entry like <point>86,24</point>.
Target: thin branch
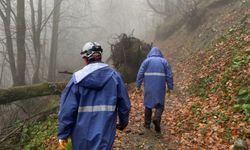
<point>4,4</point>
<point>39,115</point>
<point>51,13</point>
<point>2,15</point>
<point>6,8</point>
<point>8,135</point>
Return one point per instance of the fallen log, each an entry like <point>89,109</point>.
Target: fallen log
<point>25,92</point>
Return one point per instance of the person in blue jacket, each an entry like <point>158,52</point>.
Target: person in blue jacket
<point>90,103</point>
<point>156,73</point>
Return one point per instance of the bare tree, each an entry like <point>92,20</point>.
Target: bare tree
<point>20,40</point>
<point>36,36</point>
<point>3,63</point>
<point>5,13</point>
<point>54,41</point>
<point>182,7</point>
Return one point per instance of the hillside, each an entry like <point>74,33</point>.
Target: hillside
<point>210,106</point>
<point>212,72</point>
<point>216,112</point>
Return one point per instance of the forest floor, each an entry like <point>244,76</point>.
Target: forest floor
<point>137,137</point>
<point>205,110</point>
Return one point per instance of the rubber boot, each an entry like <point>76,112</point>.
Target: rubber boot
<point>147,117</point>
<point>157,119</point>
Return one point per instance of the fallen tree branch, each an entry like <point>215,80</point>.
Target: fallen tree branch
<point>8,135</point>
<point>25,92</point>
<point>39,116</point>
<point>66,72</point>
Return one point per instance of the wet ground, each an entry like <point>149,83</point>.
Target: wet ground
<point>135,136</point>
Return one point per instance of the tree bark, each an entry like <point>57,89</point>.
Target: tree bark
<point>24,92</point>
<point>20,35</point>
<point>36,36</point>
<point>9,44</point>
<point>54,41</point>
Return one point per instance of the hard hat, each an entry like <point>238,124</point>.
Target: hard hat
<point>90,48</point>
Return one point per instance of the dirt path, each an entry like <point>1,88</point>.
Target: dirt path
<point>137,137</point>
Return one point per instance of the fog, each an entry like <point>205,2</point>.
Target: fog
<point>102,21</point>
<point>43,37</point>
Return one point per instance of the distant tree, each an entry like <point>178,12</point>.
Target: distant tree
<point>186,7</point>
<point>20,40</point>
<point>5,13</point>
<point>36,37</point>
<point>3,64</point>
<point>54,41</point>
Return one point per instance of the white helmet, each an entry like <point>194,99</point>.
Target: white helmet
<point>90,48</point>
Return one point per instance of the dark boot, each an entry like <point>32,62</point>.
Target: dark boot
<point>157,119</point>
<point>147,117</point>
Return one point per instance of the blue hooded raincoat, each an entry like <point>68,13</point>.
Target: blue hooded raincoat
<point>89,107</point>
<point>156,73</point>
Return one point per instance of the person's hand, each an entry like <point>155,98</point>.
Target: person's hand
<point>168,93</point>
<point>63,143</point>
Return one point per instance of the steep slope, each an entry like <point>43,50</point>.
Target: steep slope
<point>207,118</point>
<point>212,80</point>
<point>184,43</point>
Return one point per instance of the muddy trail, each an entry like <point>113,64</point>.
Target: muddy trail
<point>135,136</point>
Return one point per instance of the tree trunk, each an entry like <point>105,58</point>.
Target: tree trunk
<point>24,92</point>
<point>54,41</point>
<point>2,68</point>
<point>36,36</point>
<point>9,44</point>
<point>20,35</point>
<point>44,62</point>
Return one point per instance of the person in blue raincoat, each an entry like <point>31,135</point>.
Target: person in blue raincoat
<point>90,103</point>
<point>156,73</point>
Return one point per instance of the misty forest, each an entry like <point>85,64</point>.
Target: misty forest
<point>206,42</point>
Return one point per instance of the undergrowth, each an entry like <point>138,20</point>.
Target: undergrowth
<point>34,135</point>
<point>226,72</point>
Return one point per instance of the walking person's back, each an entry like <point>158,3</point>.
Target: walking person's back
<point>156,73</point>
<point>89,107</point>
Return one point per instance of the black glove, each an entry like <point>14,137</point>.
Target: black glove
<point>120,127</point>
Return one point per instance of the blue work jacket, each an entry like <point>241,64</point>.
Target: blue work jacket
<point>89,107</point>
<point>156,72</point>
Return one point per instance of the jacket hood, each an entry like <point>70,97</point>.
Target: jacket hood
<point>93,75</point>
<point>97,79</point>
<point>155,52</point>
